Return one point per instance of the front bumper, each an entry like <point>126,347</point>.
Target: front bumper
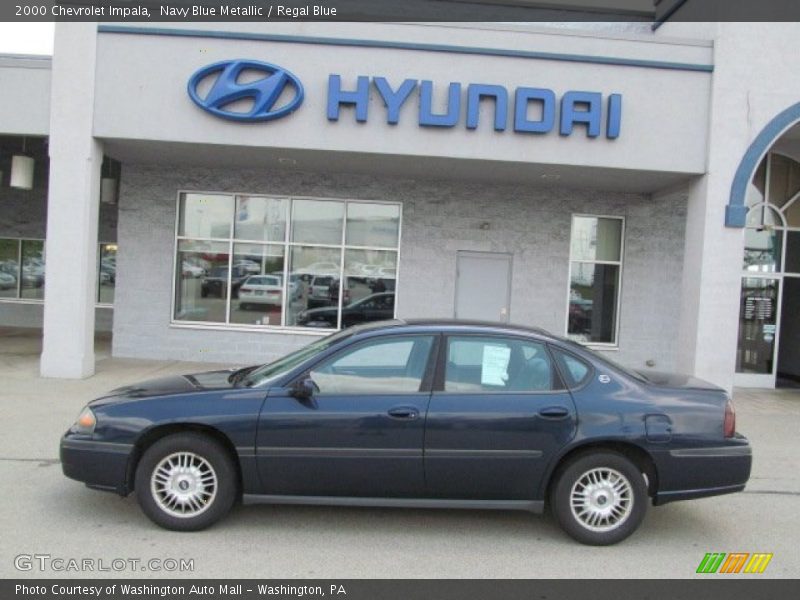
<point>100,465</point>
<point>686,473</point>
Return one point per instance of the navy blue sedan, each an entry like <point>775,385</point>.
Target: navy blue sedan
<point>417,414</point>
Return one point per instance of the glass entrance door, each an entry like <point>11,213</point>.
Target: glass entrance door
<point>787,364</point>
<point>758,320</point>
<point>771,264</point>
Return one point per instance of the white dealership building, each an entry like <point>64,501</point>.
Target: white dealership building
<point>229,191</point>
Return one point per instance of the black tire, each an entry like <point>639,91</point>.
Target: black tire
<point>605,531</point>
<point>211,509</point>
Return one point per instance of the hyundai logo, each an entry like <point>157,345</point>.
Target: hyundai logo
<point>264,92</point>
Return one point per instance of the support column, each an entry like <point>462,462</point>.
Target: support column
<point>712,269</point>
<point>72,207</point>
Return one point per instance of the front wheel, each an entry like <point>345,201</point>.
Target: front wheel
<point>599,498</point>
<point>186,482</point>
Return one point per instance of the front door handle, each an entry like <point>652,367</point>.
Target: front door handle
<point>554,412</point>
<point>404,412</point>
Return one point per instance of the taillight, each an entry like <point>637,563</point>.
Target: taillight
<point>729,427</point>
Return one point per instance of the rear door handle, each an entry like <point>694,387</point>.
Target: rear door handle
<point>554,412</point>
<point>404,412</point>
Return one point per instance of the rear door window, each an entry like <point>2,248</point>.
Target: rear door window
<point>498,364</point>
<point>574,370</point>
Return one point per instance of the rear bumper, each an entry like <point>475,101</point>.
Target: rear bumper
<point>253,299</point>
<point>100,465</point>
<point>687,473</point>
<point>662,498</point>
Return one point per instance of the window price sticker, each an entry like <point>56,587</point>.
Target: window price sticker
<point>494,369</point>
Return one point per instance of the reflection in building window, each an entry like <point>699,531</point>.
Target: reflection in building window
<point>293,262</point>
<point>595,278</point>
<point>9,268</point>
<point>22,270</point>
<point>32,271</point>
<point>107,276</point>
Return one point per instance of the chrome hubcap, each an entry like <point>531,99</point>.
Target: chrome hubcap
<point>184,484</point>
<point>601,499</point>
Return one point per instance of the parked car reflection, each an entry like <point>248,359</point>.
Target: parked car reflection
<point>215,283</point>
<point>260,290</point>
<point>376,307</point>
<point>7,281</point>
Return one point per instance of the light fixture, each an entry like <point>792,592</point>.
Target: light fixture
<point>108,182</point>
<point>22,170</point>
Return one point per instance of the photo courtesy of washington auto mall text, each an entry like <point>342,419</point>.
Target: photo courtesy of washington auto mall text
<point>176,590</point>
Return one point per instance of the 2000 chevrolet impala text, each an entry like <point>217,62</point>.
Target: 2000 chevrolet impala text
<point>421,414</point>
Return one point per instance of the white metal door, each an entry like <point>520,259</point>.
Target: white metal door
<point>483,286</point>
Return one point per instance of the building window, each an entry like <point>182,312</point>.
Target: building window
<point>273,261</point>
<point>595,276</point>
<point>107,275</point>
<point>22,270</point>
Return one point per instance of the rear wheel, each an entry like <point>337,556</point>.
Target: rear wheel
<point>186,482</point>
<point>599,498</point>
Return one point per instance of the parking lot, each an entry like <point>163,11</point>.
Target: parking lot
<point>42,512</point>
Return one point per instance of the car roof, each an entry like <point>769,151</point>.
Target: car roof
<point>450,325</point>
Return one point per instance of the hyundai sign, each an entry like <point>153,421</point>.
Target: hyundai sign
<point>531,109</point>
<point>264,92</point>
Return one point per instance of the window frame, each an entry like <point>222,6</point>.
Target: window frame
<point>441,366</point>
<point>287,245</point>
<point>428,377</point>
<point>613,345</point>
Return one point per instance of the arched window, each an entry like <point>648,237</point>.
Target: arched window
<point>773,199</point>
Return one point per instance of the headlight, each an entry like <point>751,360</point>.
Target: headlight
<point>85,422</point>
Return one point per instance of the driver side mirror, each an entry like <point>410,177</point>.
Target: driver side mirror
<point>304,388</point>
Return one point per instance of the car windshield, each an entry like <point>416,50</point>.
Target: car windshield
<point>283,365</point>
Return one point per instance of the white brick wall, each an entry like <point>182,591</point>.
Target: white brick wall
<point>439,218</point>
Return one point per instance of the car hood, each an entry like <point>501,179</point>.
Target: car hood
<point>174,384</point>
<point>677,380</point>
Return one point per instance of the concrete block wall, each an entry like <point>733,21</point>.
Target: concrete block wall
<point>31,315</point>
<point>439,218</point>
